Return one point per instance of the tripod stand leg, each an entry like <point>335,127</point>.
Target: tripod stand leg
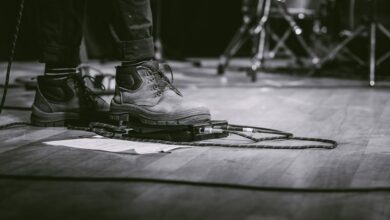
<point>290,20</point>
<point>372,53</point>
<point>297,31</point>
<point>259,42</point>
<point>258,58</point>
<point>280,43</point>
<point>354,56</point>
<point>383,58</point>
<point>313,56</point>
<point>387,34</point>
<point>384,30</point>
<point>332,54</point>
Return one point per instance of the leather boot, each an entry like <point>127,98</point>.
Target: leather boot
<point>60,101</point>
<point>145,94</point>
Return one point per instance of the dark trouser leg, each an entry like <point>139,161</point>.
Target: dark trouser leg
<point>132,23</point>
<point>60,31</point>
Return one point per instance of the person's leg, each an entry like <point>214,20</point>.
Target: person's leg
<point>132,23</point>
<point>61,95</point>
<point>60,31</point>
<point>143,92</point>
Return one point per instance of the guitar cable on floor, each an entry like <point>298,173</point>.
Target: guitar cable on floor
<point>216,130</point>
<point>222,185</point>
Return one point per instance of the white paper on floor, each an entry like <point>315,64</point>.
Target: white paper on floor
<point>116,146</point>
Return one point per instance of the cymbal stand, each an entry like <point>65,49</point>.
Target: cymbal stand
<point>242,35</point>
<point>372,27</point>
<point>256,28</point>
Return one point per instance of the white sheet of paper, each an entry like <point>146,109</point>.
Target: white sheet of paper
<point>112,145</point>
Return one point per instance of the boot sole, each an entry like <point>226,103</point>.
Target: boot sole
<point>128,117</point>
<point>129,112</point>
<point>36,121</point>
<point>62,119</point>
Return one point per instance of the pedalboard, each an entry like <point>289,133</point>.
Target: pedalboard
<point>177,133</point>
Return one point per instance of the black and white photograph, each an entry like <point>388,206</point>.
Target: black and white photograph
<point>195,109</point>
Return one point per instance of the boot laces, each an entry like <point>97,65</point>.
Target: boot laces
<point>86,94</point>
<point>162,81</point>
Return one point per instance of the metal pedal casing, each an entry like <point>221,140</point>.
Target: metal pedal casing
<point>177,133</point>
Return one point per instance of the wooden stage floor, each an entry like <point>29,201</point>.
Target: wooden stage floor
<point>356,116</point>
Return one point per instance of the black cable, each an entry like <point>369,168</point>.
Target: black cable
<point>330,144</point>
<point>102,130</point>
<point>232,186</point>
<point>17,108</point>
<point>12,53</point>
<point>14,124</point>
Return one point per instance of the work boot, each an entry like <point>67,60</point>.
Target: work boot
<point>143,93</point>
<point>60,101</point>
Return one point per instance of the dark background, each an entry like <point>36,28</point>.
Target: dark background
<point>190,28</point>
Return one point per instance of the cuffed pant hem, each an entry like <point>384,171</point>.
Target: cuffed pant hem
<point>137,49</point>
<point>61,55</point>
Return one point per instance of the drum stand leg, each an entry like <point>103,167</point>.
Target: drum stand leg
<point>333,53</point>
<point>259,33</point>
<point>258,59</point>
<point>259,46</point>
<point>372,52</point>
<point>372,27</point>
<point>374,62</point>
<point>297,31</point>
<point>387,34</point>
<point>281,44</point>
<point>241,36</point>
